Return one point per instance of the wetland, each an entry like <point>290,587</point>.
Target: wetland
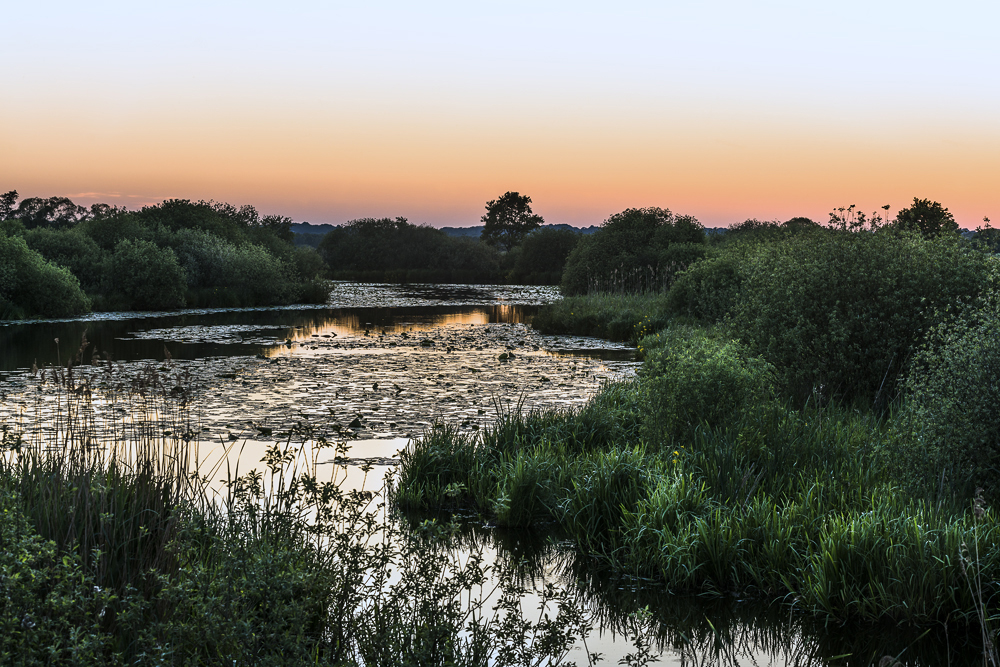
<point>380,367</point>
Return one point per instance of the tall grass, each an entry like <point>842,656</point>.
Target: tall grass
<point>795,506</point>
<point>115,548</point>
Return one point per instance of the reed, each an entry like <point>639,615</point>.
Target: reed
<point>780,504</point>
<point>114,548</point>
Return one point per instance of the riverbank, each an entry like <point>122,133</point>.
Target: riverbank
<point>112,552</point>
<point>708,475</point>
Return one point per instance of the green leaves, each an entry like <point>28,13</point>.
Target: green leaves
<point>508,219</point>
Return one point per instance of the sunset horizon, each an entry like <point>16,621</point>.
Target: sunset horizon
<point>326,115</point>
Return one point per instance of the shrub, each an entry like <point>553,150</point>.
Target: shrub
<point>51,611</point>
<point>147,277</point>
<point>32,286</point>
<point>70,248</point>
<point>838,312</point>
<point>542,256</point>
<point>708,289</point>
<point>397,251</point>
<point>308,263</point>
<point>691,378</point>
<point>221,273</point>
<point>951,421</point>
<point>626,253</point>
<point>617,317</point>
<point>926,217</point>
<point>108,231</point>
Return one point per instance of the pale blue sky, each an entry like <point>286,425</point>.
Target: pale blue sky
<point>624,80</point>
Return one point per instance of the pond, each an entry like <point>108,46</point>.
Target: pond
<point>377,366</point>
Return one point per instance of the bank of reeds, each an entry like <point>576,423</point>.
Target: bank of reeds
<point>782,505</point>
<point>115,547</point>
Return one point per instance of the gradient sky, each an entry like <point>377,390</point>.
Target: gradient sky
<point>331,111</point>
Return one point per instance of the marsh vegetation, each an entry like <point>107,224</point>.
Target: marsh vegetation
<point>813,425</point>
<point>804,430</point>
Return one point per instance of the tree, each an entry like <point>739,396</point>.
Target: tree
<point>508,219</point>
<point>7,202</point>
<point>54,212</point>
<point>927,217</point>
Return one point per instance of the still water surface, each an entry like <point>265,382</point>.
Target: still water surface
<point>375,367</point>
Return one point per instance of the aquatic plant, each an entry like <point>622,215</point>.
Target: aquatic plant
<point>117,549</point>
<point>775,503</point>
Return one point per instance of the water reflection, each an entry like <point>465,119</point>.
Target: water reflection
<point>231,333</point>
<point>695,631</point>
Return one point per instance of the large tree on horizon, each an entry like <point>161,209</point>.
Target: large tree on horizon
<point>508,220</point>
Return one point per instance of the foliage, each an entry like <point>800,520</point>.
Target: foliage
<point>950,428</point>
<point>769,503</point>
<point>232,256</point>
<point>692,380</point>
<point>220,273</point>
<point>32,286</point>
<point>542,256</point>
<point>708,289</point>
<point>837,312</point>
<point>235,224</point>
<point>8,202</point>
<point>147,277</point>
<point>284,568</point>
<point>71,248</point>
<point>631,252</point>
<point>626,317</point>
<point>508,219</point>
<point>397,251</point>
<point>51,610</point>
<point>926,217</point>
<point>107,232</point>
<point>53,212</point>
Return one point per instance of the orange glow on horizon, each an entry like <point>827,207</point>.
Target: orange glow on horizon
<point>441,172</point>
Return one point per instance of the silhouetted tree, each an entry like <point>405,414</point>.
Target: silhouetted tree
<point>7,202</point>
<point>508,219</point>
<point>927,217</point>
<point>57,212</point>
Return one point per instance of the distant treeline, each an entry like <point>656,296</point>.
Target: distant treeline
<point>58,259</point>
<point>394,250</point>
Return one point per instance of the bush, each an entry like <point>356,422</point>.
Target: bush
<point>616,317</point>
<point>394,250</point>
<point>838,312</point>
<point>707,290</point>
<point>691,379</point>
<point>32,286</point>
<point>627,253</point>
<point>51,611</point>
<point>145,276</point>
<point>108,231</point>
<point>70,248</point>
<point>542,256</point>
<point>308,263</point>
<point>950,427</point>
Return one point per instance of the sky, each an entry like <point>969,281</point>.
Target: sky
<point>329,111</point>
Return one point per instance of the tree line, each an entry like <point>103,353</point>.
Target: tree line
<point>60,259</point>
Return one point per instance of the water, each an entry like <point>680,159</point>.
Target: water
<point>377,366</point>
